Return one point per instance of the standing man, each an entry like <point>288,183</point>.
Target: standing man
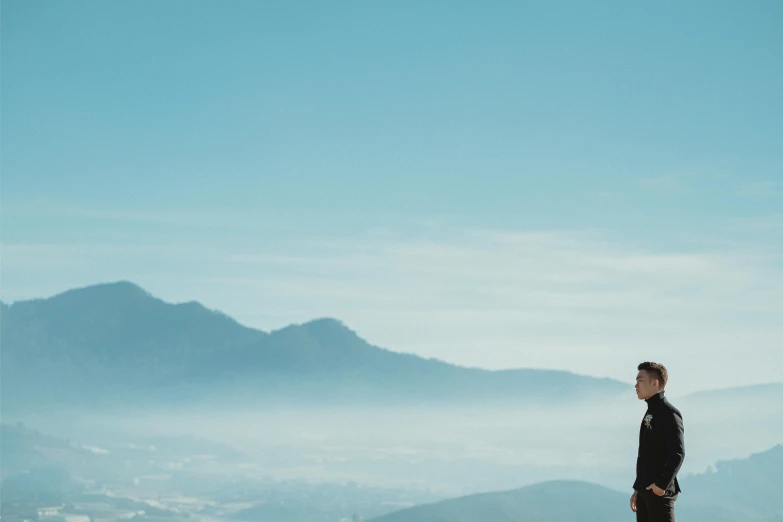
<point>661,449</point>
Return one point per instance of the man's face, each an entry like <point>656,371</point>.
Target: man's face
<point>646,385</point>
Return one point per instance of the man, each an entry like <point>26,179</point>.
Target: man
<point>661,449</point>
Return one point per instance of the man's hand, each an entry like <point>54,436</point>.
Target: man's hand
<point>655,489</point>
<point>633,502</point>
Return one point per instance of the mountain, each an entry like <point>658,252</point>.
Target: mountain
<point>739,394</point>
<point>740,489</point>
<point>97,344</point>
<point>23,450</point>
<point>555,501</point>
<point>36,468</point>
<point>42,470</point>
<point>744,489</point>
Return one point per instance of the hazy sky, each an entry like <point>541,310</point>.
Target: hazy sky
<point>574,185</point>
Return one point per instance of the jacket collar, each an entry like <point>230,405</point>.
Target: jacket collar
<point>655,399</point>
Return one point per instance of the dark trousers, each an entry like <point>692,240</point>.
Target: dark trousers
<point>652,508</point>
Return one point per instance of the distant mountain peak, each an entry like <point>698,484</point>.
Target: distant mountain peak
<point>325,321</point>
<point>746,391</point>
<point>327,325</point>
<point>114,290</point>
<point>325,329</point>
<point>326,336</point>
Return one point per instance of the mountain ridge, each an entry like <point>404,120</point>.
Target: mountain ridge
<point>115,337</point>
<point>751,481</point>
<point>737,391</point>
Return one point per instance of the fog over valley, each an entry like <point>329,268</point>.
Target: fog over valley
<point>285,426</point>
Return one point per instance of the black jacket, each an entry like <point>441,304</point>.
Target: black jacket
<point>661,446</point>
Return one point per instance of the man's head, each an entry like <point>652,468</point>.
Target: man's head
<point>650,380</point>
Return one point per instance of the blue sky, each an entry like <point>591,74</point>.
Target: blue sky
<point>548,184</point>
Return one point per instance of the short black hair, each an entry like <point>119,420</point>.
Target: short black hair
<point>657,369</point>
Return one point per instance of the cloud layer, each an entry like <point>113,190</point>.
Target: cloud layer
<point>575,300</point>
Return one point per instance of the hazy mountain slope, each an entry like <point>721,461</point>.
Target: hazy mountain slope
<point>740,489</point>
<point>743,489</point>
<point>746,395</point>
<point>116,341</point>
<point>557,501</point>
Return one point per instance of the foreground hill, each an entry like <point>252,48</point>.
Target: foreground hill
<point>743,489</point>
<point>111,342</point>
<point>740,489</point>
<point>556,501</point>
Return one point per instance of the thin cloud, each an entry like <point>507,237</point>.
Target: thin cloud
<point>542,270</point>
<point>489,298</point>
<point>172,217</point>
<point>761,189</point>
<point>667,185</point>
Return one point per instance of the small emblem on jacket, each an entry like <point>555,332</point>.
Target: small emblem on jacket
<point>648,420</point>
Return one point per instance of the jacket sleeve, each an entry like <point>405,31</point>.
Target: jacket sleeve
<point>675,447</point>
